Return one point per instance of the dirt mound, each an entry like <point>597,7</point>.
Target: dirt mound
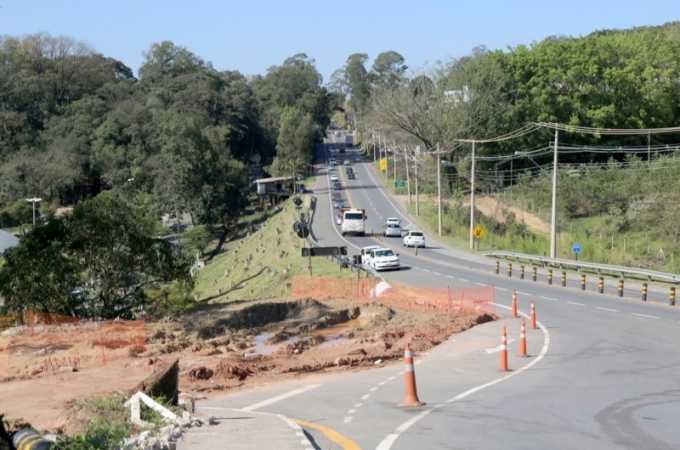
<point>236,345</point>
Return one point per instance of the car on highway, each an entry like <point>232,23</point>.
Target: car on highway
<point>414,239</point>
<point>335,195</point>
<point>348,162</point>
<point>366,254</point>
<point>393,220</point>
<point>334,178</point>
<point>384,259</point>
<point>349,170</point>
<point>351,176</point>
<point>338,203</point>
<point>357,158</point>
<point>337,186</point>
<point>337,133</point>
<point>338,219</point>
<point>392,229</point>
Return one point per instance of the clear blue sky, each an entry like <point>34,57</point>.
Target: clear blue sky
<point>252,35</point>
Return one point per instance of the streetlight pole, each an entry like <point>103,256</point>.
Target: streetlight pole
<point>408,178</point>
<point>472,199</point>
<point>553,215</point>
<point>415,158</point>
<point>34,200</point>
<point>394,160</point>
<point>439,190</point>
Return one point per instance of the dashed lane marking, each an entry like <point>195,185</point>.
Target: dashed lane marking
<point>577,304</point>
<point>644,315</point>
<point>500,288</point>
<point>606,309</point>
<point>549,298</point>
<point>480,284</point>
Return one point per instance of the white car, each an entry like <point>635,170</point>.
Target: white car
<point>393,220</point>
<point>366,254</point>
<point>392,229</point>
<point>334,178</point>
<point>414,239</point>
<point>384,259</point>
<point>338,219</point>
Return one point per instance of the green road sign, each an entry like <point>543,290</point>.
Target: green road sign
<point>399,184</point>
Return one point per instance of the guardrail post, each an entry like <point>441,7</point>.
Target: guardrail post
<point>509,269</point>
<point>583,282</point>
<point>564,279</point>
<point>521,272</point>
<point>671,297</point>
<point>534,272</point>
<point>498,267</point>
<point>600,285</point>
<point>549,276</point>
<point>644,292</point>
<point>620,288</point>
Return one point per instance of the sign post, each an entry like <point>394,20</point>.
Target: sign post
<point>399,184</point>
<point>383,164</point>
<point>576,249</point>
<point>477,232</point>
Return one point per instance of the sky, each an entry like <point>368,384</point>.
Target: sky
<point>252,35</point>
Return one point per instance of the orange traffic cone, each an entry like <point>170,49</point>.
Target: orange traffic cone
<point>411,394</point>
<point>533,315</point>
<point>504,352</point>
<point>514,304</point>
<point>523,340</point>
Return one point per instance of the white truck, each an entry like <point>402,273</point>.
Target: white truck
<point>352,221</point>
<point>349,140</point>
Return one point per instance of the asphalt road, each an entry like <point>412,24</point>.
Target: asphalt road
<point>603,371</point>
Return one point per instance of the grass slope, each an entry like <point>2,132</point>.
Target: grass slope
<point>261,264</point>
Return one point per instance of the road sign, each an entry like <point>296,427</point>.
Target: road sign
<point>478,232</point>
<point>324,251</point>
<point>576,248</point>
<point>399,184</point>
<point>383,164</point>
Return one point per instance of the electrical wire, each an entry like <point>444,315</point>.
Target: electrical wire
<point>606,131</point>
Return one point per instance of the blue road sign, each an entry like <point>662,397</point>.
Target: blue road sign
<point>576,248</point>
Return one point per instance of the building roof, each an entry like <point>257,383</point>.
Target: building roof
<point>272,180</point>
<point>7,240</point>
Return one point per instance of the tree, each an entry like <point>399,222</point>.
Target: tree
<point>388,70</point>
<point>105,249</point>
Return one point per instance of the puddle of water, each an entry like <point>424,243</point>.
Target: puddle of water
<point>334,342</point>
<point>260,346</point>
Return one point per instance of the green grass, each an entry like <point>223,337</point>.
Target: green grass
<point>275,257</point>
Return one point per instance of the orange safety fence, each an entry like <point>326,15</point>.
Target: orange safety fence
<point>33,342</point>
<point>441,300</point>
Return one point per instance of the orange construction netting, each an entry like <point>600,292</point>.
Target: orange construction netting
<point>443,300</point>
<point>33,342</point>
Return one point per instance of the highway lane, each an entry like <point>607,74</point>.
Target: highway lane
<point>629,339</point>
<point>603,373</point>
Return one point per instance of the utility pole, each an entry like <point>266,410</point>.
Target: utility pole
<point>394,160</point>
<point>472,199</point>
<point>373,142</point>
<point>415,158</point>
<point>553,213</point>
<point>439,189</point>
<point>408,178</point>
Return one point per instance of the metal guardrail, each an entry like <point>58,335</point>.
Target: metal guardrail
<point>562,263</point>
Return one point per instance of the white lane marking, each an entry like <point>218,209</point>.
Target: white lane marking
<point>426,270</point>
<point>373,389</point>
<point>644,315</point>
<point>386,443</point>
<point>351,411</point>
<point>278,398</point>
<point>523,293</point>
<point>577,304</point>
<point>497,349</point>
<point>416,267</point>
<point>500,288</point>
<point>463,279</point>
<point>548,298</point>
<point>391,378</point>
<point>449,276</point>
<point>347,419</point>
<point>381,383</point>
<point>480,284</point>
<point>358,405</point>
<point>437,273</point>
<point>365,397</point>
<point>606,309</point>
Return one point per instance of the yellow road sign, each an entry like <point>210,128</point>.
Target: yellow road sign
<point>383,164</point>
<point>478,232</point>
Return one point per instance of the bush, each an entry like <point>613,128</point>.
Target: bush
<point>17,213</point>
